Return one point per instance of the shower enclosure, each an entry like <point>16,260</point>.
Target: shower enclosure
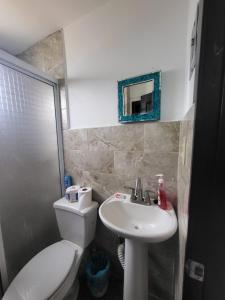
<point>31,166</point>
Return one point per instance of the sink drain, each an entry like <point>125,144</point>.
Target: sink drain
<point>136,227</point>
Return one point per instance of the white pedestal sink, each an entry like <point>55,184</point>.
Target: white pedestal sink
<point>139,225</point>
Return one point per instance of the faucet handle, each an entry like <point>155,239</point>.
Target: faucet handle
<point>147,198</point>
<point>150,191</point>
<point>133,196</point>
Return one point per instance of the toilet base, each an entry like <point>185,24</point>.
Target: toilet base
<point>73,292</point>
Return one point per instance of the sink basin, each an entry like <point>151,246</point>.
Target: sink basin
<point>139,225</point>
<point>149,224</point>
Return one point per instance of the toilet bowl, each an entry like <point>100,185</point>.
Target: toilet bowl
<point>51,274</point>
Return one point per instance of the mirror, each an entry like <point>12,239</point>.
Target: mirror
<point>139,98</point>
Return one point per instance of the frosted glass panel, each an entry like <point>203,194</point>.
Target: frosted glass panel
<point>29,167</point>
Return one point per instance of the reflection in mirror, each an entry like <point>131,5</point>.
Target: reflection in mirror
<point>138,98</point>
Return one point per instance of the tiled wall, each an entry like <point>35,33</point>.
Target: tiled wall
<point>109,158</point>
<point>48,56</point>
<point>183,186</point>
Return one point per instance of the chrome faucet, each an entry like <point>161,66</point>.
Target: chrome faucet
<point>138,190</point>
<point>137,194</point>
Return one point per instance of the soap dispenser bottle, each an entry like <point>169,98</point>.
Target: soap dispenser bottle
<point>162,197</point>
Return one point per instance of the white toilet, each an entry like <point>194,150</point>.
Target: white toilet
<point>51,274</point>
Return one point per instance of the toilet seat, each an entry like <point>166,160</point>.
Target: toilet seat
<point>48,275</point>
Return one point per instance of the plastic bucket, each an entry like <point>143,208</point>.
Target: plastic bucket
<point>97,272</point>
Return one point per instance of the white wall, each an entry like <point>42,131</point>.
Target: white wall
<point>119,40</point>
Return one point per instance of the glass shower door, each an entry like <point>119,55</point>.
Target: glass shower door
<point>29,168</point>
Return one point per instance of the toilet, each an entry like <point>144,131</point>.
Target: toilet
<point>51,274</point>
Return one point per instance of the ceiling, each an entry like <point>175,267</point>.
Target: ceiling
<point>25,22</point>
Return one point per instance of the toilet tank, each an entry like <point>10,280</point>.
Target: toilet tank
<point>77,226</point>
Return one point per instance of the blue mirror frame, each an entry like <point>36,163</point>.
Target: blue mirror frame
<point>154,115</point>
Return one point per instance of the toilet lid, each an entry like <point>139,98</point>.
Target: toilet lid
<point>44,273</point>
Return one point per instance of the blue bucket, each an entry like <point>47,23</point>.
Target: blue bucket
<point>97,272</point>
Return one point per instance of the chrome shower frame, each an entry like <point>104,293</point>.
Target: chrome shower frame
<point>20,66</point>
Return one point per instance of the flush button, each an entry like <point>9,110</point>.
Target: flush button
<point>195,270</point>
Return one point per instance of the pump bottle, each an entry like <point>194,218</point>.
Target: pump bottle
<point>162,197</point>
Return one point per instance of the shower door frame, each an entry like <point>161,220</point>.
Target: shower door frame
<point>24,68</point>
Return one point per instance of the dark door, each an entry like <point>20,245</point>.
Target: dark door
<point>206,230</point>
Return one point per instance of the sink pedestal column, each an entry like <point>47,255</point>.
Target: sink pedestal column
<point>135,271</point>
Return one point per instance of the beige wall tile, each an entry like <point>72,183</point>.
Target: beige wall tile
<point>146,164</point>
<point>47,55</point>
<point>75,139</point>
<point>99,161</point>
<point>161,136</point>
<point>68,161</point>
<point>183,189</point>
<point>125,137</point>
<point>113,157</point>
